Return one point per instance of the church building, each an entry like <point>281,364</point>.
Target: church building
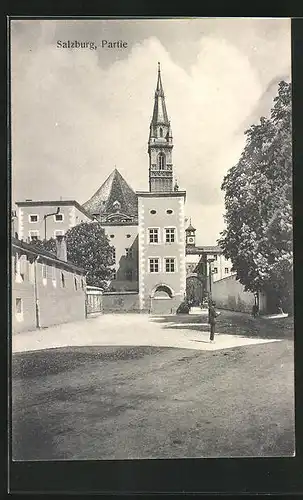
<point>145,229</point>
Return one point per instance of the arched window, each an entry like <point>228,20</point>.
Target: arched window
<point>161,132</point>
<point>161,161</point>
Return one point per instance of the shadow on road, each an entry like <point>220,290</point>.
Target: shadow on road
<point>231,323</point>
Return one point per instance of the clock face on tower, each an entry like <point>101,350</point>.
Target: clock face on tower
<point>190,239</point>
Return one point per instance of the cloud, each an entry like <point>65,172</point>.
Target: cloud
<point>74,118</point>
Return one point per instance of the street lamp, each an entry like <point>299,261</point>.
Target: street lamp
<point>48,215</point>
<point>210,261</point>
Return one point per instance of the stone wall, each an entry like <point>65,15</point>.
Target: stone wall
<point>228,293</point>
<point>120,302</point>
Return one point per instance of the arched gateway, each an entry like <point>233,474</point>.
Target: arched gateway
<point>159,298</point>
<point>195,289</point>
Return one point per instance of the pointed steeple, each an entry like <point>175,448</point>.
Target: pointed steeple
<point>160,144</point>
<point>159,113</point>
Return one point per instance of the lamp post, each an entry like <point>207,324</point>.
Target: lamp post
<point>48,215</point>
<point>210,261</point>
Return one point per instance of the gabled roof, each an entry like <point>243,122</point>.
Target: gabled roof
<point>115,188</point>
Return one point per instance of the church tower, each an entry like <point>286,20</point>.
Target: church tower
<point>160,144</point>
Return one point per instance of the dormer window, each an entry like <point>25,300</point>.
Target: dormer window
<point>161,161</point>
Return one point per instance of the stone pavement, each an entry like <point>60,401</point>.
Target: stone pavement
<point>132,330</point>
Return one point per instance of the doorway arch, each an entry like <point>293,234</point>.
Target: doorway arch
<point>161,299</point>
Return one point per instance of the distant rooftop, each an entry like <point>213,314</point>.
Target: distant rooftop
<point>39,203</point>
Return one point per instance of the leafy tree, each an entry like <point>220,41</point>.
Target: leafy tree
<point>258,206</point>
<point>87,247</point>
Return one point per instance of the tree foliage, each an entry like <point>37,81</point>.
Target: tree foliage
<point>87,247</point>
<point>258,205</point>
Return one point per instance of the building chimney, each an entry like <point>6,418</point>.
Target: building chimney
<point>61,248</point>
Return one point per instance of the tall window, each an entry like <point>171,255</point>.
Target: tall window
<point>75,283</point>
<point>18,306</point>
<point>54,275</point>
<point>170,265</point>
<point>161,161</point>
<point>215,270</point>
<point>154,235</point>
<point>154,265</point>
<point>62,280</point>
<point>226,270</point>
<point>161,132</point>
<point>169,235</point>
<point>44,273</point>
<point>19,309</point>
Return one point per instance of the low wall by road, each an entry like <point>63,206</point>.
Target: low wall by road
<point>120,302</point>
<point>228,293</point>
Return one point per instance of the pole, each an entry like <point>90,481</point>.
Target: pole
<point>45,227</point>
<point>210,280</point>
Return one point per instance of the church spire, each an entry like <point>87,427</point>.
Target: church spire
<point>159,113</point>
<point>160,144</point>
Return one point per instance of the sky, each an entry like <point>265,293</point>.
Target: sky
<point>76,114</point>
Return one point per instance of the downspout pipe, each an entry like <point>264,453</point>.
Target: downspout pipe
<point>36,293</point>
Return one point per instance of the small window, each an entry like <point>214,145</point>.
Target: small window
<point>226,270</point>
<point>170,265</point>
<point>33,218</point>
<point>62,280</point>
<point>114,254</point>
<point>33,235</point>
<point>58,217</point>
<point>153,212</point>
<point>129,253</point>
<point>128,236</point>
<point>153,235</point>
<point>169,235</point>
<point>19,309</point>
<point>216,257</point>
<point>112,236</point>
<point>154,265</point>
<point>18,305</point>
<point>129,275</point>
<point>58,232</point>
<point>22,266</point>
<point>169,211</point>
<point>215,270</point>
